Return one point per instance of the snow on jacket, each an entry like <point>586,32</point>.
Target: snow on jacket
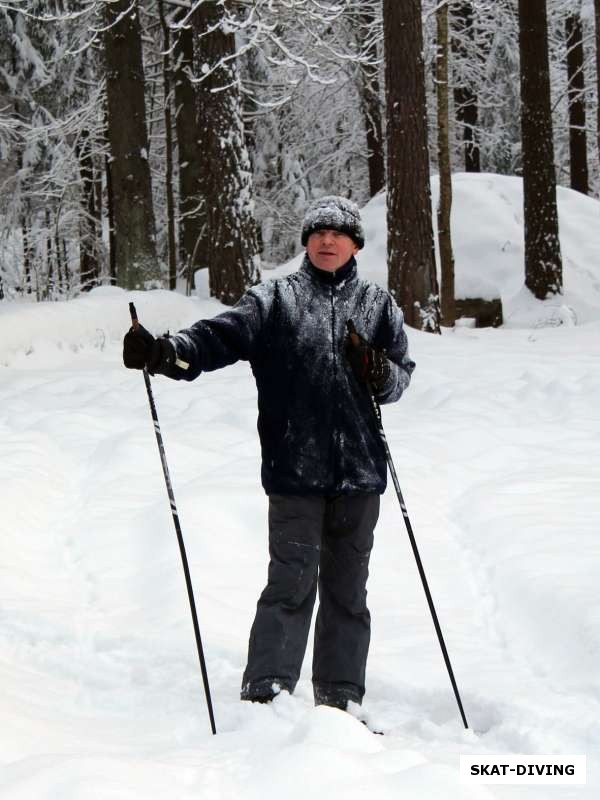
<point>315,421</point>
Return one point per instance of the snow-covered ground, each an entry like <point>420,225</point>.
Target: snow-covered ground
<point>496,446</point>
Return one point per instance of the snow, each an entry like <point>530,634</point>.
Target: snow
<point>495,444</point>
<point>487,233</point>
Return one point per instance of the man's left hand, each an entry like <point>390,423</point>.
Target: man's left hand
<point>369,365</point>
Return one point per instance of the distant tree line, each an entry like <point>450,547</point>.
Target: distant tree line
<point>141,142</point>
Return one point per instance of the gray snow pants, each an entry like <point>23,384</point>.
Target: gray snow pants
<point>314,541</point>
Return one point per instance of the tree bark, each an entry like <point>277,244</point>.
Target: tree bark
<point>445,174</point>
<point>226,180</point>
<point>465,99</point>
<point>543,263</point>
<point>412,278</point>
<point>135,240</point>
<point>27,259</point>
<point>576,91</point>
<point>192,243</point>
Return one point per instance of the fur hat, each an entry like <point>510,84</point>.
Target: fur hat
<point>335,213</point>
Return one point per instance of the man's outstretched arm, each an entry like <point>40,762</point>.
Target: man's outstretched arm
<point>207,345</point>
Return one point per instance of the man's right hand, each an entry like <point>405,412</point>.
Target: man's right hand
<point>141,349</point>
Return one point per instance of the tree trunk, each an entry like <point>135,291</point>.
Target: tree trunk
<point>543,264</point>
<point>465,99</point>
<point>412,278</point>
<point>65,257</point>
<point>89,268</point>
<point>110,207</point>
<point>26,255</point>
<point>370,94</point>
<point>59,265</point>
<point>445,173</point>
<point>597,15</point>
<point>135,241</point>
<point>576,90</point>
<point>110,212</point>
<point>233,261</point>
<point>193,244</point>
<point>49,292</point>
<point>167,82</point>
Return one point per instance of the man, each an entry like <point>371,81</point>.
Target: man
<point>323,462</point>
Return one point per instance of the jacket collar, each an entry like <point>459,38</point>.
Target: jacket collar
<point>347,270</point>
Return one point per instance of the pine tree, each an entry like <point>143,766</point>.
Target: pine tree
<point>190,165</point>
<point>412,276</point>
<point>576,94</point>
<point>445,172</point>
<point>543,263</point>
<point>226,180</point>
<point>465,98</point>
<point>167,102</point>
<point>135,239</point>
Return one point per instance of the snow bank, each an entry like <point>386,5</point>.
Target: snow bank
<point>488,241</point>
<point>55,330</point>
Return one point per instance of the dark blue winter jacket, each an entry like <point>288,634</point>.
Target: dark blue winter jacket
<point>315,421</point>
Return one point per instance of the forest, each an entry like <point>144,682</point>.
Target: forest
<point>144,140</point>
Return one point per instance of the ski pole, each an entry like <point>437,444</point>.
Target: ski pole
<point>377,413</point>
<point>186,569</point>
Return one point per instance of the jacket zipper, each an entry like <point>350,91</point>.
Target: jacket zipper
<point>334,436</point>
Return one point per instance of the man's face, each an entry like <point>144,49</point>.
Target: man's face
<point>329,249</point>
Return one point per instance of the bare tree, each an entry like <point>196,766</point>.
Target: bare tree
<point>135,239</point>
<point>412,275</point>
<point>543,263</point>
<point>576,93</point>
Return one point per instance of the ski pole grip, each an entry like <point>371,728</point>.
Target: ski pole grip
<point>354,337</point>
<point>134,317</point>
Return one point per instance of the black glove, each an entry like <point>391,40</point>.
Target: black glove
<point>141,349</point>
<point>368,365</point>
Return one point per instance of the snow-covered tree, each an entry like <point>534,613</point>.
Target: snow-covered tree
<point>576,100</point>
<point>466,84</point>
<point>229,248</point>
<point>411,261</point>
<point>445,173</point>
<point>135,238</point>
<point>543,264</point>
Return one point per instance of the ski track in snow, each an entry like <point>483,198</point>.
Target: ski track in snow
<point>495,448</point>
